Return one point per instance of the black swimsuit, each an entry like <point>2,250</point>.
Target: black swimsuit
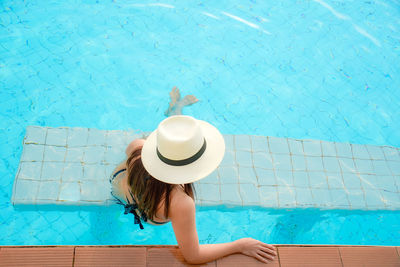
<point>132,207</point>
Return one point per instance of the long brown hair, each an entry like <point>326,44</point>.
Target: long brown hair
<point>149,191</point>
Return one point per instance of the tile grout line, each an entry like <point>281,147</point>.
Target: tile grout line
<point>238,168</point>
<point>219,187</point>
<point>41,168</point>
<point>314,205</point>
<point>358,174</point>
<point>325,173</point>
<point>339,173</point>
<point>274,171</point>
<point>254,169</point>
<point>62,172</point>
<point>293,172</point>
<point>289,154</point>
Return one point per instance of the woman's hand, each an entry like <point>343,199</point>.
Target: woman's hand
<point>257,249</point>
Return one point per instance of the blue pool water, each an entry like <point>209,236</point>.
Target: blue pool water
<point>100,226</point>
<point>314,69</point>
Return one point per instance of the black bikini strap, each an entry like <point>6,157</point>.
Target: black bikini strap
<point>118,172</point>
<point>117,199</point>
<point>137,220</point>
<point>131,208</point>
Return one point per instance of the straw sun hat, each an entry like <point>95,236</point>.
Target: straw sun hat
<point>183,150</point>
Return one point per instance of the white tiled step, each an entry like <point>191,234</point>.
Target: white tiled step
<point>71,166</point>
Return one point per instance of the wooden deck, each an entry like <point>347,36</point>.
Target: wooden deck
<point>120,256</point>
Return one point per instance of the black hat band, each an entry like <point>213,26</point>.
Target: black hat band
<point>183,162</point>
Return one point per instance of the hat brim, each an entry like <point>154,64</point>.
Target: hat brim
<point>192,172</point>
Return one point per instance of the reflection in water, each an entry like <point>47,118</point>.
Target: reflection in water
<point>294,224</point>
<point>332,10</point>
<point>366,34</point>
<point>241,20</point>
<point>210,15</point>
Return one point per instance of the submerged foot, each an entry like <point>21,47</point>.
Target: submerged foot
<point>189,100</point>
<point>176,104</point>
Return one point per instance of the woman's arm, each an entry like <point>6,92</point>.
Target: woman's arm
<point>182,216</point>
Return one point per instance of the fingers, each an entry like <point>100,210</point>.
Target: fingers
<point>265,255</point>
<point>258,257</point>
<point>269,251</point>
<point>269,246</point>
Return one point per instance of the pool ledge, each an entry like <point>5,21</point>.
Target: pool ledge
<point>288,255</point>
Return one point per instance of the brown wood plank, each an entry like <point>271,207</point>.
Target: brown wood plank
<point>309,256</point>
<point>171,256</point>
<point>168,256</point>
<point>110,256</point>
<point>36,256</point>
<point>239,260</point>
<point>369,256</point>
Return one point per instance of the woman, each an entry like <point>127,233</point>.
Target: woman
<point>155,185</point>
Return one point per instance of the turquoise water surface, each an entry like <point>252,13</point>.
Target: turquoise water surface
<point>303,69</point>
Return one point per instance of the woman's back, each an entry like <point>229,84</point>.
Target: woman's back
<point>122,191</point>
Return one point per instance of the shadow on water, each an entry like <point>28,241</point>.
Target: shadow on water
<point>86,225</point>
<point>323,226</point>
<point>267,224</point>
<point>293,223</point>
<point>307,225</point>
<point>91,225</point>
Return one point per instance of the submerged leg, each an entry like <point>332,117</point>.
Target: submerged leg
<point>186,101</point>
<point>176,104</point>
<point>175,96</point>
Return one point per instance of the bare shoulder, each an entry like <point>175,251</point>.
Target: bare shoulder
<point>120,166</point>
<point>181,203</point>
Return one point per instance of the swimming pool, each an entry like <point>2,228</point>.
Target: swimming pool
<point>318,69</point>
